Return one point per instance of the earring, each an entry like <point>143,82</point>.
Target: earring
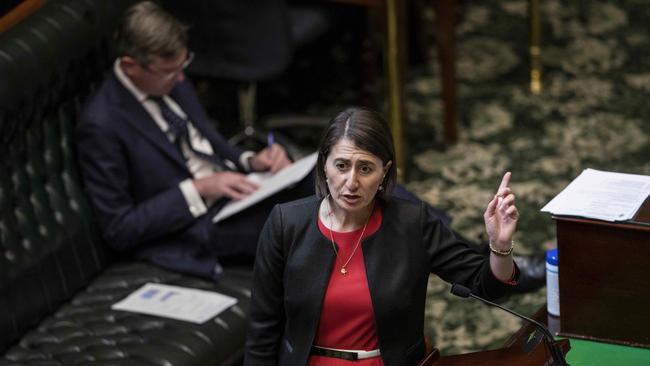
<point>381,187</point>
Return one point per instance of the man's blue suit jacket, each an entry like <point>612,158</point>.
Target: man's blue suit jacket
<point>132,171</point>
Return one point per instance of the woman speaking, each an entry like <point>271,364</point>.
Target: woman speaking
<point>341,278</point>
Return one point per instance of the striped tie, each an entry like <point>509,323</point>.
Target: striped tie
<point>177,124</point>
<point>178,129</point>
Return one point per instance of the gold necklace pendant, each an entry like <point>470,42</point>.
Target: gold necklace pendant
<point>344,270</point>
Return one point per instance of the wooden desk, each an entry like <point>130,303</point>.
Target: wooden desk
<point>513,353</point>
<point>604,274</point>
<point>509,356</point>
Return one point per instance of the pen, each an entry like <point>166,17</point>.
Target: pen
<point>269,138</point>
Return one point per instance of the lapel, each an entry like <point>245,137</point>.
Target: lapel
<point>323,258</point>
<point>375,261</point>
<point>133,113</point>
<point>384,274</point>
<point>317,259</point>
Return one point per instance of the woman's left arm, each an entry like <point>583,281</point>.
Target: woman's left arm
<point>501,218</point>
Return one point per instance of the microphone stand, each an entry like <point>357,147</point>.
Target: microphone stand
<point>556,352</point>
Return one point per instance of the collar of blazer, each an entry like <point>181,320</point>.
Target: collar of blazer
<point>135,115</point>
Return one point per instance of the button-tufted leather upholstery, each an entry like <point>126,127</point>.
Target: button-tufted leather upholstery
<point>85,330</point>
<point>57,278</point>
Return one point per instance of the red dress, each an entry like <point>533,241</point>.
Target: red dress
<point>347,319</point>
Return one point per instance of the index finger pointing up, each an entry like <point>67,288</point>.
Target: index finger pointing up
<point>504,182</point>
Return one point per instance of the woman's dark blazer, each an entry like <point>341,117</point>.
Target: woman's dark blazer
<point>294,263</point>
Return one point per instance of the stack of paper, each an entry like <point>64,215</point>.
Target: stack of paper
<point>601,195</point>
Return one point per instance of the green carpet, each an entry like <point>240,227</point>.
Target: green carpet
<point>591,113</point>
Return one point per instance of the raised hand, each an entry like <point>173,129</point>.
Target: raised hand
<point>501,216</point>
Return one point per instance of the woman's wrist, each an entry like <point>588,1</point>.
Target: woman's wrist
<point>501,249</point>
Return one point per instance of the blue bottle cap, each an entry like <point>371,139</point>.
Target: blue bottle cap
<point>551,256</point>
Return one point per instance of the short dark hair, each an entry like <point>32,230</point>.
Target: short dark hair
<point>146,30</point>
<point>368,131</point>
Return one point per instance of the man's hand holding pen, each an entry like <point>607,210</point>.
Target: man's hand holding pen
<point>272,158</point>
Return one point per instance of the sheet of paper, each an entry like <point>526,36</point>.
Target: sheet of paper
<point>268,185</point>
<point>601,195</point>
<point>181,303</point>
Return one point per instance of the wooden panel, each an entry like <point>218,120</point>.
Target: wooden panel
<point>446,41</point>
<point>643,215</point>
<point>604,270</point>
<point>511,356</point>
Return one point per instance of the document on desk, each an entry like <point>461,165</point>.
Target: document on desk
<point>181,303</point>
<point>601,195</point>
<point>269,185</point>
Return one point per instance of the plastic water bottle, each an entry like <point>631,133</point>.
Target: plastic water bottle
<point>552,283</point>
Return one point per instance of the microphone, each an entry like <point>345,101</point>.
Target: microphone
<point>556,352</point>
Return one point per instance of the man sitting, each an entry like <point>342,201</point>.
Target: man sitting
<point>155,168</point>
